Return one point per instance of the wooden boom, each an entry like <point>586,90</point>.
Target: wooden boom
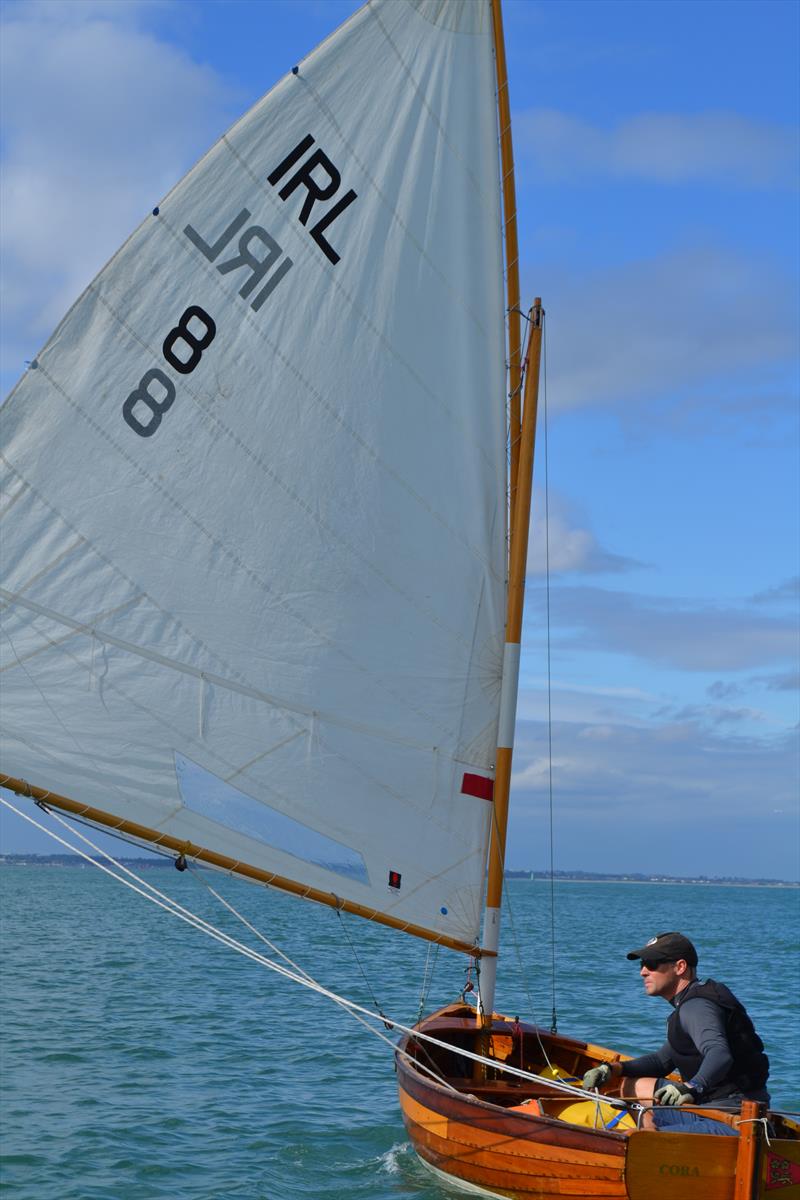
<point>144,833</point>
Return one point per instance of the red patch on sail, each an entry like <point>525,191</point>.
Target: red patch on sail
<point>477,785</point>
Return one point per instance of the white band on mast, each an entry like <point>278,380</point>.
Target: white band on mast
<point>508,695</point>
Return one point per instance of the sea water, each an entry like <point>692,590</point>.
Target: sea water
<point>142,1061</point>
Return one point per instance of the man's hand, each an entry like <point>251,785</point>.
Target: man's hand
<point>596,1077</point>
<point>675,1094</point>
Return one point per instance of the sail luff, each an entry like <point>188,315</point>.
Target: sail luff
<point>518,559</point>
<point>201,854</point>
<point>511,245</point>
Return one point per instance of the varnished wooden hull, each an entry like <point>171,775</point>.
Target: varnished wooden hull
<point>459,1130</point>
<point>507,1154</point>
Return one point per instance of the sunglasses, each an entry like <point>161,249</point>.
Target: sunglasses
<point>649,965</point>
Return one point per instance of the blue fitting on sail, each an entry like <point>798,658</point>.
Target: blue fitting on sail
<point>295,70</point>
<point>155,211</point>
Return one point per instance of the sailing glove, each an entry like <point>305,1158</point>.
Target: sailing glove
<point>596,1077</point>
<point>675,1094</point>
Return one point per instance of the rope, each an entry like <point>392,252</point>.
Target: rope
<point>432,1070</point>
<point>195,873</point>
<point>554,1019</point>
<point>351,943</point>
<point>758,1121</point>
<point>151,893</point>
<point>515,940</point>
<point>427,979</point>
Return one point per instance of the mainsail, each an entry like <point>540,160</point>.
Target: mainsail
<point>254,536</point>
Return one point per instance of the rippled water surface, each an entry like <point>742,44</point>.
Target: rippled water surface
<point>141,1061</point>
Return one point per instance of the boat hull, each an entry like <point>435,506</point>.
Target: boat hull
<point>481,1133</point>
<point>507,1154</point>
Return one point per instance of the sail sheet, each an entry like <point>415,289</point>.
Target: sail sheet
<point>254,488</point>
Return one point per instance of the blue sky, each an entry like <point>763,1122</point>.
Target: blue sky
<point>657,169</point>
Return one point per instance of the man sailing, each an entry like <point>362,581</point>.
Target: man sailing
<point>711,1042</point>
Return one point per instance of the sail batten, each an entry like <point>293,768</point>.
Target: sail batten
<point>257,489</point>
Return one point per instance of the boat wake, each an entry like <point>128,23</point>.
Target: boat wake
<point>394,1159</point>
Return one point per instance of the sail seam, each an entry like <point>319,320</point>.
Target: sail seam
<point>269,471</point>
<point>52,643</point>
<point>12,500</point>
<point>231,769</point>
<point>88,630</point>
<point>55,562</point>
<point>380,336</point>
<point>457,296</point>
<point>233,557</point>
<point>473,178</point>
<point>158,717</point>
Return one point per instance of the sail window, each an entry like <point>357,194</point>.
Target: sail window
<point>206,794</point>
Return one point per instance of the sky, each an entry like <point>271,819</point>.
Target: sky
<point>656,150</point>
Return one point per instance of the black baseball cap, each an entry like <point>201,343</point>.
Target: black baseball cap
<point>667,947</point>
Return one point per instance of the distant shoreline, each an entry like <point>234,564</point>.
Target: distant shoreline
<point>74,860</point>
<point>670,880</point>
<point>667,882</point>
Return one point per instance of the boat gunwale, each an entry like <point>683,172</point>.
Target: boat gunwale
<point>404,1063</point>
<point>511,1114</point>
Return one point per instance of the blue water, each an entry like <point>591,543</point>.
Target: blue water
<point>142,1061</point>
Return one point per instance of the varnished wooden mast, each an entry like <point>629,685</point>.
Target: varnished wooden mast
<point>518,560</point>
<point>153,837</point>
<point>511,250</point>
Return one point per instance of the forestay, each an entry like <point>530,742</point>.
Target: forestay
<point>255,488</point>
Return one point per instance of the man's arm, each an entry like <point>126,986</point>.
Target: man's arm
<point>657,1064</point>
<point>705,1024</point>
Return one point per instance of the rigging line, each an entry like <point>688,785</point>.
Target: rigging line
<point>171,905</point>
<point>364,976</point>
<point>554,1018</point>
<point>523,975</point>
<point>296,967</point>
<point>432,1070</point>
<point>427,979</point>
<point>177,910</point>
<point>197,877</point>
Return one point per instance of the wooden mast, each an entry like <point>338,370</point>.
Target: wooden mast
<point>522,434</point>
<point>511,252</point>
<point>518,559</point>
<point>144,833</point>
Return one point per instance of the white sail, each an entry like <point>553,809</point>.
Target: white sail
<point>254,488</point>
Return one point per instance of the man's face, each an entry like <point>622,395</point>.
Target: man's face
<point>663,979</point>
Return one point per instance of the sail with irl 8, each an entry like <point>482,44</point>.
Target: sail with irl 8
<point>268,491</point>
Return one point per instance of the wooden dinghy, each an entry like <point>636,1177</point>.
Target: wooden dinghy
<point>502,1136</point>
<point>270,491</point>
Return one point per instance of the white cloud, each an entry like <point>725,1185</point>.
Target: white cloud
<point>668,148</point>
<point>567,542</point>
<point>667,630</point>
<point>665,325</point>
<point>100,118</point>
<point>671,796</point>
